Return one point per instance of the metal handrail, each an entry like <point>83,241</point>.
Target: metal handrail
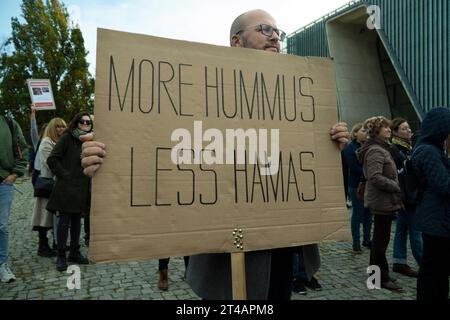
<point>342,8</point>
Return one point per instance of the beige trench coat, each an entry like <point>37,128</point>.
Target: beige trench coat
<point>41,217</point>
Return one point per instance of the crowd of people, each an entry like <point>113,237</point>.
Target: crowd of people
<point>378,195</point>
<point>379,157</point>
<point>61,189</point>
<point>382,166</point>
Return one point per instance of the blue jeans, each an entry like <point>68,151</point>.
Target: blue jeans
<point>404,224</point>
<point>6,199</point>
<point>359,215</point>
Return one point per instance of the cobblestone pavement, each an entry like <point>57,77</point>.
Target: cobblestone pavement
<point>342,274</point>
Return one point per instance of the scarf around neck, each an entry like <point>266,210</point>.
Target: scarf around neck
<point>77,133</point>
<point>402,142</point>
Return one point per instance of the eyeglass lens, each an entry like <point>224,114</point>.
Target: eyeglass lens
<point>268,30</point>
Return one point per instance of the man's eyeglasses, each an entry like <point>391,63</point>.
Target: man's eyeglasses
<point>86,122</point>
<point>268,31</point>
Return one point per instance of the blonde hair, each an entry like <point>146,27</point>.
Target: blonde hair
<point>355,130</point>
<point>51,131</point>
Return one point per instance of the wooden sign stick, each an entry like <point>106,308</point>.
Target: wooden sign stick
<point>238,276</point>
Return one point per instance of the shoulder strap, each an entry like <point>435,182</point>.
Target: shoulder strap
<point>15,146</point>
<point>39,143</point>
<point>10,125</point>
<point>410,160</point>
<point>11,129</point>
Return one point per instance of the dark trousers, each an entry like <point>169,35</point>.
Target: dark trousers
<point>66,220</point>
<point>42,231</point>
<point>298,265</point>
<point>434,272</point>
<point>380,242</point>
<point>164,263</point>
<point>280,287</point>
<point>87,226</point>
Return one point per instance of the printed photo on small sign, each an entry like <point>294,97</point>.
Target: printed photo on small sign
<point>41,94</point>
<point>212,149</point>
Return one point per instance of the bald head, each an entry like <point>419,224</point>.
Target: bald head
<point>247,19</point>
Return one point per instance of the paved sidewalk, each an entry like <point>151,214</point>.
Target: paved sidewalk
<point>342,274</point>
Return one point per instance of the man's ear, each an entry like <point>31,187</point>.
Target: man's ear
<point>236,41</point>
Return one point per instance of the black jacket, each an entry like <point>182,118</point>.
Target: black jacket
<point>400,154</point>
<point>355,171</point>
<point>432,167</point>
<point>71,191</point>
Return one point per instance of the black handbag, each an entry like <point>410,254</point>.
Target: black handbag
<point>43,187</point>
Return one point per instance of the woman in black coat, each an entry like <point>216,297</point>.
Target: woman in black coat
<point>401,151</point>
<point>432,167</point>
<point>70,196</point>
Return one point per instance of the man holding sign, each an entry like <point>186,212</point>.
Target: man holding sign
<point>268,271</point>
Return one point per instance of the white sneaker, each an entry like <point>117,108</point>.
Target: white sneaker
<point>6,274</point>
<point>349,203</point>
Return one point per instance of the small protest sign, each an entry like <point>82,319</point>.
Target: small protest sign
<point>41,94</point>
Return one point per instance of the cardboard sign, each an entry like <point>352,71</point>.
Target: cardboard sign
<point>41,94</point>
<point>212,149</point>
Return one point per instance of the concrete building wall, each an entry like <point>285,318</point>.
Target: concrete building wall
<point>416,37</point>
<point>360,85</point>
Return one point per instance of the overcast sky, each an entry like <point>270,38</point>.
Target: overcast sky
<point>206,21</point>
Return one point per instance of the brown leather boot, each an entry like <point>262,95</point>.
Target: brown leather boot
<point>391,286</point>
<point>163,283</point>
<point>405,270</point>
